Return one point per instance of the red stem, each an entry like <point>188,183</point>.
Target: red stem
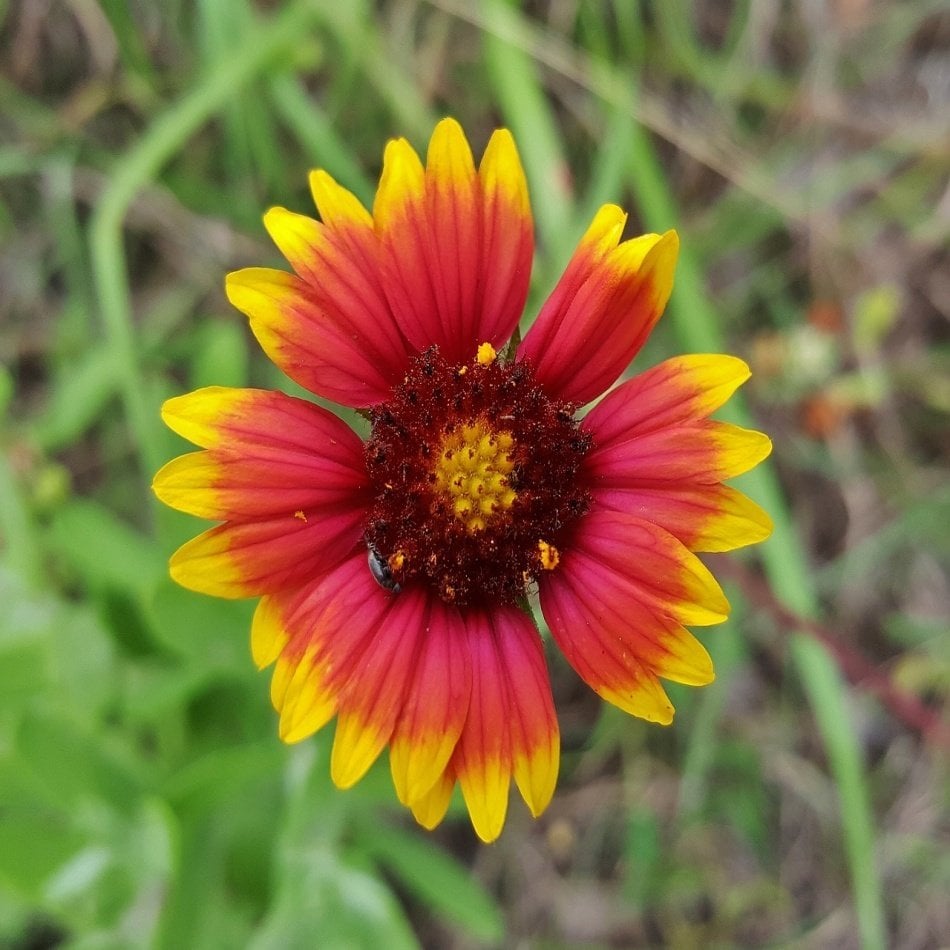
<point>857,669</point>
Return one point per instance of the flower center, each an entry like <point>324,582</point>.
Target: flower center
<point>475,475</point>
<point>472,472</point>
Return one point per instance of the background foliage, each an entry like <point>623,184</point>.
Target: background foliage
<point>802,151</point>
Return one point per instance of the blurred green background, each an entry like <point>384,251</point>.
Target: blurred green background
<point>802,150</point>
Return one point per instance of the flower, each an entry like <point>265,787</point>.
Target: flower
<point>394,573</point>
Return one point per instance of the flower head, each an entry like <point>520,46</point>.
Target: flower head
<point>394,573</point>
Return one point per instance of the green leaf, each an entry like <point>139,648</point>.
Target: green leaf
<point>215,631</point>
<point>324,901</point>
<point>201,784</point>
<point>644,857</point>
<point>220,355</point>
<point>78,399</point>
<point>51,646</point>
<point>33,843</point>
<point>104,551</point>
<point>75,765</point>
<point>436,879</point>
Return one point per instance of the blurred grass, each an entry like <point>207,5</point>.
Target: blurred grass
<point>801,152</point>
<point>226,76</point>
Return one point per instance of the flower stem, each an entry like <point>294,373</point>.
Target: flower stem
<point>166,135</point>
<point>784,560</point>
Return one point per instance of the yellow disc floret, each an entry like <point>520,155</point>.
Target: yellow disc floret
<point>472,471</point>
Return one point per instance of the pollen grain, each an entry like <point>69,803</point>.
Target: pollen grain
<point>486,354</point>
<point>548,555</point>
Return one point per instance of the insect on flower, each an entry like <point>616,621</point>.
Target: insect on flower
<point>382,572</point>
<point>479,483</point>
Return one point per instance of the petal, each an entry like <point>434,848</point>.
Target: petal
<point>340,260</point>
<point>595,644</point>
<point>678,390</point>
<point>602,310</point>
<point>435,707</point>
<point>268,634</point>
<point>656,455</point>
<point>306,701</point>
<point>340,209</point>
<point>265,451</point>
<point>225,486</point>
<point>374,697</point>
<point>507,239</point>
<point>322,632</point>
<point>402,185</point>
<point>482,759</point>
<point>651,565</point>
<point>701,452</point>
<point>330,339</point>
<point>248,559</point>
<point>616,605</point>
<point>430,809</point>
<point>703,517</point>
<point>457,242</point>
<point>535,739</point>
<point>270,455</point>
<point>220,417</point>
<point>599,240</point>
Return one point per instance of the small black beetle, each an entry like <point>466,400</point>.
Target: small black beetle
<point>382,572</point>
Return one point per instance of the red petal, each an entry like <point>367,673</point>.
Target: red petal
<point>269,455</point>
<point>656,455</point>
<point>457,242</point>
<point>483,759</point>
<point>701,452</point>
<point>329,338</point>
<point>704,517</point>
<point>319,635</point>
<point>247,559</point>
<point>602,310</point>
<point>374,694</point>
<point>616,604</point>
<point>678,390</point>
<point>535,739</point>
<point>435,708</point>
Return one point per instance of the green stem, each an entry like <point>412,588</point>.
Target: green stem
<point>17,535</point>
<point>785,564</point>
<point>513,76</point>
<point>163,138</point>
<point>315,132</point>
